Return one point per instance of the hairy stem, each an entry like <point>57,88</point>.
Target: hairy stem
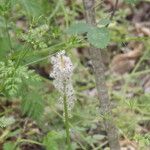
<point>66,120</point>
<point>98,66</point>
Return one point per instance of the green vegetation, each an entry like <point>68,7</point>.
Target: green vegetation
<point>31,116</point>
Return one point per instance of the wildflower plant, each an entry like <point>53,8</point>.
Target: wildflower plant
<point>62,73</point>
<point>37,36</point>
<point>12,76</point>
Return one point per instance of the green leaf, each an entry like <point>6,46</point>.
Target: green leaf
<point>6,121</point>
<point>104,21</point>
<point>12,77</point>
<point>131,1</point>
<point>32,105</point>
<point>33,7</point>
<point>98,37</point>
<point>78,28</point>
<point>9,146</point>
<point>51,140</point>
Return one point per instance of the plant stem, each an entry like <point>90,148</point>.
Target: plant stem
<point>98,66</point>
<point>8,35</point>
<point>66,17</point>
<point>66,119</point>
<point>29,141</point>
<point>114,10</point>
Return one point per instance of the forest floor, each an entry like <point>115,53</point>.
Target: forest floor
<point>127,70</point>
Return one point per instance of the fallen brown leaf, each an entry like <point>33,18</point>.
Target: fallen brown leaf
<point>124,63</point>
<point>143,28</point>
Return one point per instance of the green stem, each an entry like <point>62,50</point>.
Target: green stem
<point>66,121</point>
<point>55,11</point>
<point>29,141</point>
<point>77,140</point>
<point>8,35</point>
<point>4,135</point>
<point>65,13</point>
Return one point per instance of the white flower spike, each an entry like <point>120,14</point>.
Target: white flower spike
<point>62,73</point>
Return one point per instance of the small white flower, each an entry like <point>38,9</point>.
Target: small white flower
<point>62,73</point>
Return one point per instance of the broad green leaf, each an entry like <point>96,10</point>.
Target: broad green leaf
<point>104,21</point>
<point>98,37</point>
<point>4,6</point>
<point>78,28</point>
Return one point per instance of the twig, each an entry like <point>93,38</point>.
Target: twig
<point>30,141</point>
<point>113,12</point>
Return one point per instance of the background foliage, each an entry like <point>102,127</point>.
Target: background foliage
<point>31,31</point>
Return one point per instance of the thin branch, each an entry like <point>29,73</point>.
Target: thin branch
<point>98,66</point>
<point>113,12</point>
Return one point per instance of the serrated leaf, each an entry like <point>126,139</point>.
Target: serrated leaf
<point>98,37</point>
<point>78,28</point>
<point>104,21</point>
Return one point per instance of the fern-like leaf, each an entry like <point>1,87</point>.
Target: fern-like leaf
<point>32,105</point>
<point>6,121</point>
